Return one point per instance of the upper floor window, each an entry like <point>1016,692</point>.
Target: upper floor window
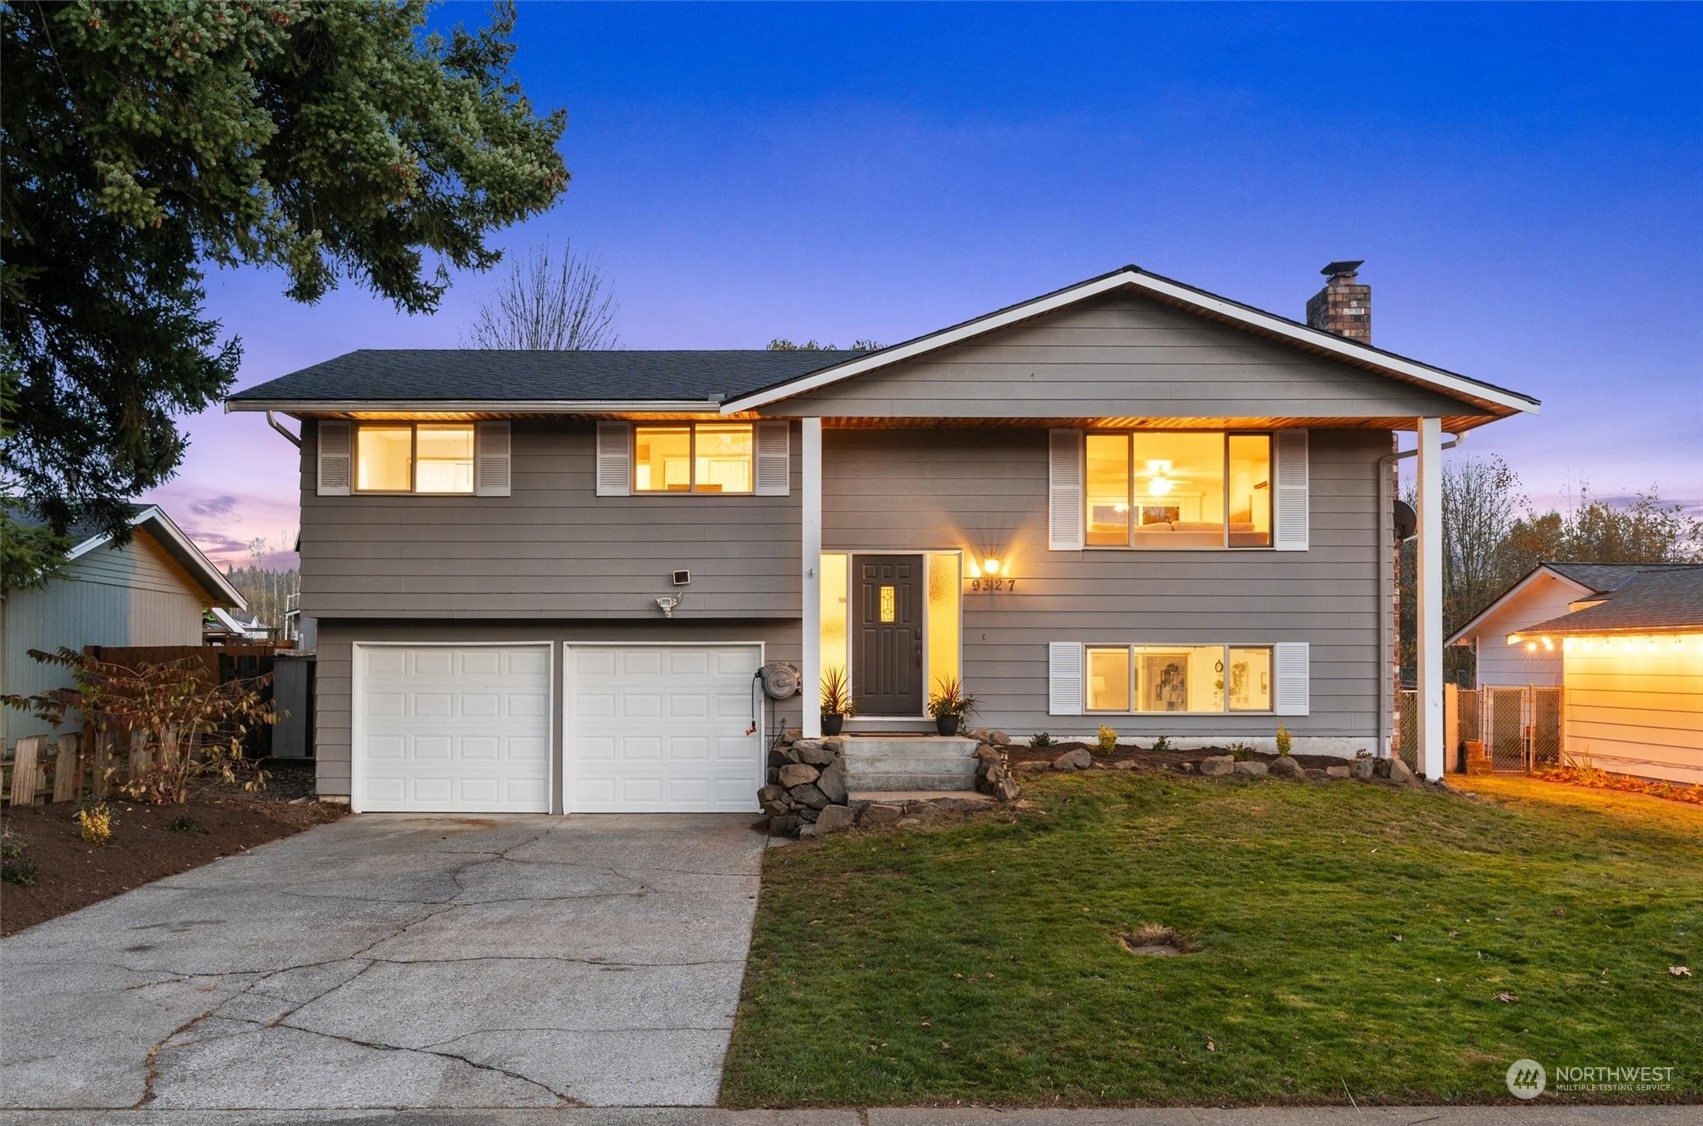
<point>414,457</point>
<point>1165,489</point>
<point>694,457</point>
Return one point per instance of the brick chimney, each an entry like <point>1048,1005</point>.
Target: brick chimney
<point>1343,306</point>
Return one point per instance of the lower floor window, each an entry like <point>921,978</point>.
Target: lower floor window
<point>1178,678</point>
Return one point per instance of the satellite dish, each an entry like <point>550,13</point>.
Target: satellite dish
<point>780,680</point>
<point>1406,520</point>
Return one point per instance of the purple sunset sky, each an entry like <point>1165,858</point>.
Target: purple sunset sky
<point>1523,182</point>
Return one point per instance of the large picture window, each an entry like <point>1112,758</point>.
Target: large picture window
<point>414,457</point>
<point>1204,679</point>
<point>1169,489</point>
<point>704,457</point>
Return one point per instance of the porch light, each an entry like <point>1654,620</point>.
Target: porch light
<point>1531,647</point>
<point>1549,645</point>
<point>991,566</point>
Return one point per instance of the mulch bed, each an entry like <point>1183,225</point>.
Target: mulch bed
<point>1020,752</point>
<point>71,875</point>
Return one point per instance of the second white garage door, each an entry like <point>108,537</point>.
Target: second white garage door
<point>661,729</point>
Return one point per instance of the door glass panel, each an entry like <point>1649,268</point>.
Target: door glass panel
<point>834,635</point>
<point>445,459</point>
<point>1108,490</point>
<point>662,459</point>
<point>1108,680</point>
<point>945,589</point>
<point>889,604</point>
<point>382,459</point>
<point>724,458</point>
<point>1250,490</point>
<point>1179,485</point>
<point>1250,680</point>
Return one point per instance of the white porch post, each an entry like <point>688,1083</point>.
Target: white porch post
<point>811,537</point>
<point>1430,599</point>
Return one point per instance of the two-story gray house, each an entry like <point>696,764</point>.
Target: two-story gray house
<point>544,581</point>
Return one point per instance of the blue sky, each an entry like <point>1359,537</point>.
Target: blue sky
<point>1522,180</point>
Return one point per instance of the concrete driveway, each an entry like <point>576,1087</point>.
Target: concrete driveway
<point>398,961</point>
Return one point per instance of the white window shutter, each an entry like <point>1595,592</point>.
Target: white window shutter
<point>614,459</point>
<point>1289,490</point>
<point>1064,492</point>
<point>334,459</point>
<point>491,459</point>
<point>1292,679</point>
<point>1064,678</point>
<point>774,459</point>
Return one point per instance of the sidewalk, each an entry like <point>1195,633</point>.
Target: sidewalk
<point>1538,1115</point>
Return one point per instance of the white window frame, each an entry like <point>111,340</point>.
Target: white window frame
<point>691,427</point>
<point>1224,647</point>
<point>413,489</point>
<point>1129,437</point>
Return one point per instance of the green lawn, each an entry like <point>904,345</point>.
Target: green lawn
<point>977,960</point>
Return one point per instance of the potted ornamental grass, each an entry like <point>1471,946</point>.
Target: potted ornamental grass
<point>837,704</point>
<point>949,704</point>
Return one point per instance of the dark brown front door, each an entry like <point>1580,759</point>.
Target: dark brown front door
<point>887,648</point>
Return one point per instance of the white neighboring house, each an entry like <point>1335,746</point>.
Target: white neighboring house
<point>1625,642</point>
<point>153,590</point>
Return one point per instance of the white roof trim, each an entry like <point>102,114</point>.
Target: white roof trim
<point>186,551</point>
<point>475,406</point>
<point>1470,630</point>
<point>1136,279</point>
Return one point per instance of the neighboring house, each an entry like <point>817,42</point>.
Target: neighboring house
<point>153,590</point>
<point>221,627</point>
<point>545,580</point>
<point>1625,642</point>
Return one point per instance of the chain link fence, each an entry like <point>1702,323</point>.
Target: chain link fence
<point>1520,727</point>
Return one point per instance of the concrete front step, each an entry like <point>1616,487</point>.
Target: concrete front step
<point>909,799</point>
<point>953,783</point>
<point>910,764</point>
<point>907,746</point>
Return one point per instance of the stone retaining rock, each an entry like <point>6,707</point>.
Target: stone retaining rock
<point>1078,759</point>
<point>1363,768</point>
<point>1342,771</point>
<point>798,774</point>
<point>833,819</point>
<point>1252,766</point>
<point>1218,764</point>
<point>833,781</point>
<point>1285,767</point>
<point>879,815</point>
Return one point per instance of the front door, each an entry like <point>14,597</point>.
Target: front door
<point>887,647</point>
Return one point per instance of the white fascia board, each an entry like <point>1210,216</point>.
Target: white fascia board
<point>1277,326</point>
<point>300,407</point>
<point>1467,632</point>
<point>182,547</point>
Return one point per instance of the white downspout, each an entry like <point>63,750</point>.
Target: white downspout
<point>811,552</point>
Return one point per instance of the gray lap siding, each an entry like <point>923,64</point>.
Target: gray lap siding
<point>985,492</point>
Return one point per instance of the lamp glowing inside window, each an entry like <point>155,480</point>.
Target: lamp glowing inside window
<point>889,604</point>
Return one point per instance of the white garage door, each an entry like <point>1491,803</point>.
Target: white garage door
<point>661,729</point>
<point>452,728</point>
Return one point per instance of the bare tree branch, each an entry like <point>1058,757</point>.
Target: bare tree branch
<point>548,304</point>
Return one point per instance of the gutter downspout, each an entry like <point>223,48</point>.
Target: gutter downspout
<point>1387,610</point>
<point>272,421</point>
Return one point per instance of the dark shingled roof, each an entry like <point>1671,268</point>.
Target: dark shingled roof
<point>1658,599</point>
<point>497,376</point>
<point>1607,576</point>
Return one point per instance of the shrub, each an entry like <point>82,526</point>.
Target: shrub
<point>1241,752</point>
<point>94,823</point>
<point>15,868</point>
<point>1161,744</point>
<point>187,727</point>
<point>1040,740</point>
<point>836,693</point>
<point>1284,740</point>
<point>950,699</point>
<point>186,825</point>
<point>1108,740</point>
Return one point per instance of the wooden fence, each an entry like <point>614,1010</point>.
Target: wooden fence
<point>40,768</point>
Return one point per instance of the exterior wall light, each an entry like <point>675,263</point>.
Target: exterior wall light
<point>991,566</point>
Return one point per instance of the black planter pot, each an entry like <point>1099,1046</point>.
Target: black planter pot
<point>946,724</point>
<point>831,724</point>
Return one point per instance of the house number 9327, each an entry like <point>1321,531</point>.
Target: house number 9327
<point>991,586</point>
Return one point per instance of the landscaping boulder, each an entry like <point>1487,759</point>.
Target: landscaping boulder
<point>780,756</point>
<point>1252,766</point>
<point>798,774</point>
<point>833,781</point>
<point>1006,789</point>
<point>1078,759</point>
<point>835,744</point>
<point>1342,771</point>
<point>1032,767</point>
<point>1400,773</point>
<point>880,814</point>
<point>1362,768</point>
<point>833,819</point>
<point>785,825</point>
<point>1286,767</point>
<point>772,792</point>
<point>987,752</point>
<point>958,803</point>
<point>811,752</point>
<point>1218,764</point>
<point>1126,764</point>
<point>808,796</point>
<point>979,734</point>
<point>775,808</point>
<point>997,738</point>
